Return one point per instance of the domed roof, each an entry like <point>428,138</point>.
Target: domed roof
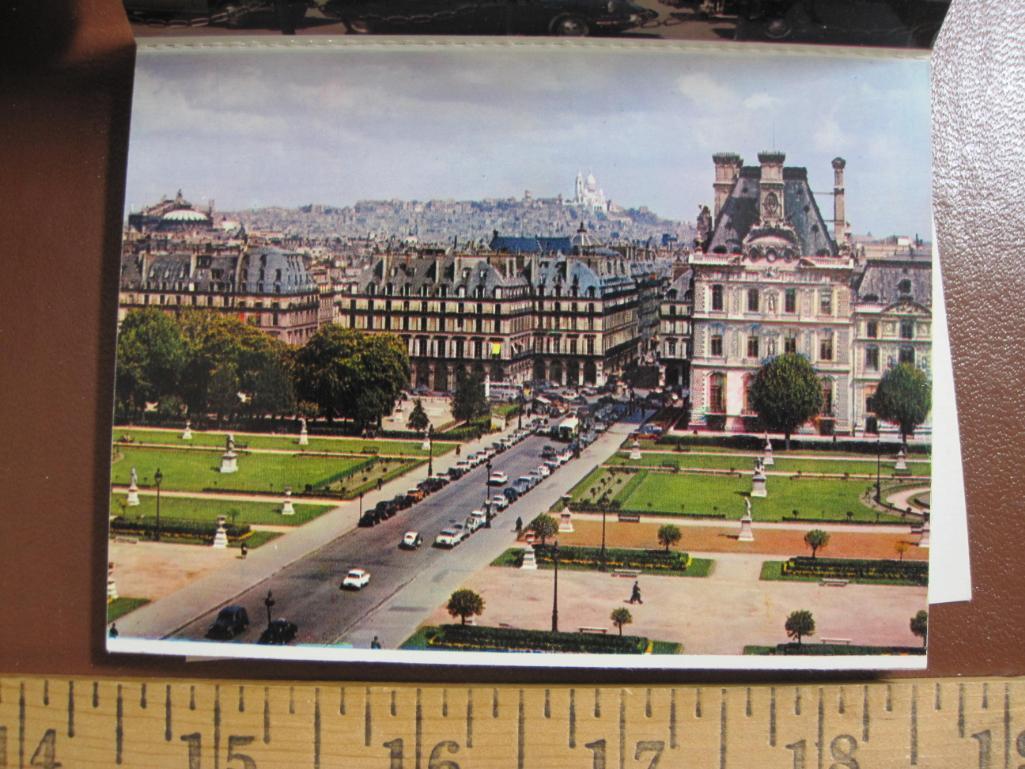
<point>185,215</point>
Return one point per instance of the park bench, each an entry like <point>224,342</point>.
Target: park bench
<point>633,573</point>
<point>594,630</point>
<point>833,582</point>
<point>836,641</point>
<point>629,518</point>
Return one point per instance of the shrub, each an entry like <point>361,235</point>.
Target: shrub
<point>915,572</point>
<point>175,528</point>
<point>477,638</point>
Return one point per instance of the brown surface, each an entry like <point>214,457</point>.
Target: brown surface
<point>64,157</point>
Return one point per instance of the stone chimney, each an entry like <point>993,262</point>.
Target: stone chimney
<point>727,169</point>
<point>839,208</point>
<point>770,188</point>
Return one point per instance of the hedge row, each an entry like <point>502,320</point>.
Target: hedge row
<point>478,638</point>
<point>757,443</point>
<point>827,650</point>
<point>616,558</point>
<point>176,528</point>
<point>916,572</point>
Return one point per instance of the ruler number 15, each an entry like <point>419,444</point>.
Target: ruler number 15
<point>842,749</point>
<point>195,745</point>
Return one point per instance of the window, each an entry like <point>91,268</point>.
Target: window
<point>907,355</point>
<point>826,302</point>
<point>671,348</point>
<point>752,347</point>
<point>872,329</point>
<point>826,346</point>
<point>827,396</point>
<point>752,300</point>
<point>790,300</point>
<point>904,287</point>
<point>871,358</point>
<point>717,302</point>
<point>748,384</point>
<point>716,393</point>
<point>790,344</point>
<point>907,328</point>
<point>717,344</point>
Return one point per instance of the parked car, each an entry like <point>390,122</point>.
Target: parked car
<point>548,452</point>
<point>368,519</point>
<point>543,470</point>
<point>279,632</point>
<point>402,501</point>
<point>231,620</point>
<point>500,502</point>
<point>411,540</point>
<point>476,520</point>
<point>456,472</point>
<point>356,579</point>
<point>284,15</point>
<point>449,537</point>
<point>498,478</point>
<point>511,493</point>
<point>416,493</point>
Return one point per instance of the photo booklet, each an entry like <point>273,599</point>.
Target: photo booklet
<point>540,354</point>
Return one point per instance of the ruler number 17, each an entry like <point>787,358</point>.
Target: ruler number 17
<point>842,749</point>
<point>654,747</point>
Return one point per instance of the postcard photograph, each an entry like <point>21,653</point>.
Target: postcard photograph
<point>525,355</point>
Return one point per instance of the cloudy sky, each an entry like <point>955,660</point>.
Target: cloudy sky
<point>336,126</point>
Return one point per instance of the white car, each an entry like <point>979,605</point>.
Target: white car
<point>476,520</point>
<point>543,471</point>
<point>500,501</point>
<point>565,457</point>
<point>449,537</point>
<point>356,579</point>
<point>498,478</point>
<point>411,540</point>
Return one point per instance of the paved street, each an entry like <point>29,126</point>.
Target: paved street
<point>405,585</point>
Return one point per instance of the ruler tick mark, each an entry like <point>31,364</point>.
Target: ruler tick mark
<point>291,700</point>
<point>341,700</point>
<point>672,718</point>
<point>937,703</point>
<point>266,715</point>
<point>722,729</point>
<point>71,708</point>
<point>192,698</point>
<point>393,705</point>
<point>316,728</point>
<point>647,703</point>
<point>119,726</point>
<point>797,700</point>
<point>494,703</point>
<point>520,734</point>
<point>419,716</point>
<point>747,702</point>
<point>597,703</point>
<point>167,713</point>
<point>444,702</point>
<point>697,703</point>
<point>573,718</point>
<point>96,694</point>
<point>985,696</point>
<point>864,714</point>
<point>914,726</point>
<point>21,727</point>
<point>622,728</point>
<point>841,701</point>
<point>217,726</point>
<point>368,732</point>
<point>142,697</point>
<point>548,703</point>
<point>469,718</point>
<point>46,692</point>
<point>241,699</point>
<point>1007,726</point>
<point>772,717</point>
<point>888,705</point>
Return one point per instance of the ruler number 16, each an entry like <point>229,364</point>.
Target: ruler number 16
<point>842,749</point>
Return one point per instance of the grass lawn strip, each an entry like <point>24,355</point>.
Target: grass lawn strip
<point>262,473</point>
<point>184,508</point>
<point>119,607</point>
<point>772,571</point>
<point>286,441</point>
<point>745,464</point>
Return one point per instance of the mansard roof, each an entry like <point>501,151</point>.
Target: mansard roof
<point>530,244</point>
<point>740,215</point>
<point>260,271</point>
<point>882,280</point>
<point>448,270</point>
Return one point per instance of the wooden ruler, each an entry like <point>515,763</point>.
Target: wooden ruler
<point>46,723</point>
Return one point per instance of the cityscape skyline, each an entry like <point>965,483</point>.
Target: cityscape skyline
<point>401,127</point>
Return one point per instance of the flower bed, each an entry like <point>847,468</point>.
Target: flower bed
<point>809,649</point>
<point>616,558</point>
<point>479,638</point>
<point>177,529</point>
<point>861,570</point>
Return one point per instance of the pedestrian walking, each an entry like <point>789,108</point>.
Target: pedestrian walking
<point>380,483</point>
<point>375,644</point>
<point>519,524</point>
<point>113,630</point>
<point>245,550</point>
<point>635,594</point>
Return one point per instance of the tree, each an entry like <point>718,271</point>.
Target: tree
<point>904,396</point>
<point>544,526</point>
<point>786,393</point>
<point>920,625</point>
<point>620,617</point>
<point>465,603</point>
<point>151,357</point>
<point>815,539</point>
<point>269,382</point>
<point>222,391</point>
<point>668,535</point>
<point>468,401</point>
<point>800,623</point>
<point>418,419</point>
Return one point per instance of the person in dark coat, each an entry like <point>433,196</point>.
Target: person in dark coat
<point>635,594</point>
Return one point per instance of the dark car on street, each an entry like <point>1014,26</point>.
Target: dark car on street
<point>231,620</point>
<point>279,14</point>
<point>367,520</point>
<point>511,493</point>
<point>489,17</point>
<point>279,632</point>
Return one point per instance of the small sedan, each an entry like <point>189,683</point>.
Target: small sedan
<point>279,633</point>
<point>356,579</point>
<point>411,540</point>
<point>231,620</point>
<point>543,470</point>
<point>500,501</point>
<point>448,538</point>
<point>498,478</point>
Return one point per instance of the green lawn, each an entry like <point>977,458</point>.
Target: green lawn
<point>119,607</point>
<point>268,473</point>
<point>208,509</point>
<point>723,461</point>
<point>666,647</point>
<point>290,441</point>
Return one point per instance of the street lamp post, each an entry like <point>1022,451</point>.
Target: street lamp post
<point>555,594</point>
<point>487,497</point>
<point>879,453</point>
<point>157,478</point>
<point>361,504</point>
<point>430,450</point>
<point>268,602</point>
<point>603,566</point>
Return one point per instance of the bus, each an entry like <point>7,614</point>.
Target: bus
<point>567,430</point>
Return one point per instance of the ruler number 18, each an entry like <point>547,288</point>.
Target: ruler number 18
<point>842,749</point>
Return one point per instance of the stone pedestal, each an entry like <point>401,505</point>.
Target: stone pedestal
<point>566,522</point>
<point>924,539</point>
<point>221,537</point>
<point>767,455</point>
<point>187,432</point>
<point>304,436</point>
<point>758,488</point>
<point>286,506</point>
<point>635,451</point>
<point>901,465</point>
<point>529,559</point>
<point>746,531</point>
<point>111,585</point>
<point>229,461</point>
<point>133,495</point>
